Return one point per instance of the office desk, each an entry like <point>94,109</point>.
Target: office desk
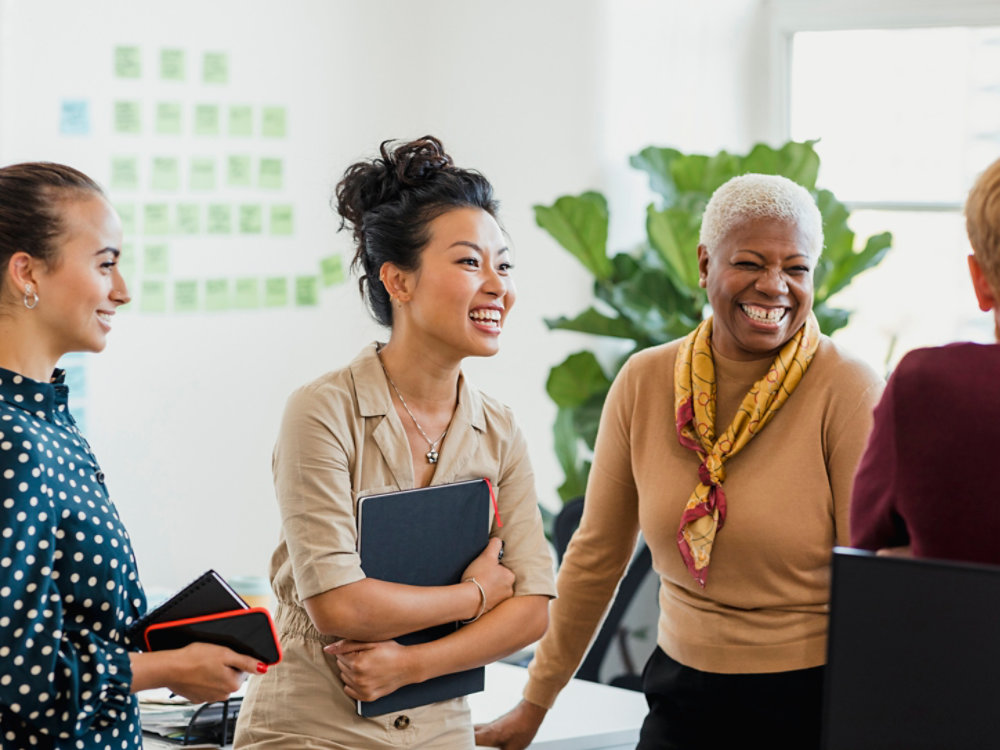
<point>587,715</point>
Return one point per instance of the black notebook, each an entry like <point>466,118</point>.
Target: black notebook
<point>208,594</point>
<point>424,537</point>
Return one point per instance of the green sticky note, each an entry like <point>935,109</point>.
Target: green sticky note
<point>172,65</point>
<point>168,118</point>
<point>247,294</point>
<point>220,218</point>
<point>155,218</point>
<point>186,296</point>
<point>166,173</point>
<point>128,62</point>
<point>306,291</point>
<point>275,292</point>
<point>281,219</point>
<point>126,261</point>
<point>188,218</point>
<point>273,122</point>
<point>270,174</point>
<point>240,120</point>
<point>124,173</point>
<point>126,212</point>
<point>155,260</point>
<point>215,67</point>
<point>239,171</point>
<point>153,298</point>
<point>251,218</point>
<point>127,117</point>
<point>217,294</point>
<point>202,173</point>
<point>206,119</point>
<point>332,270</point>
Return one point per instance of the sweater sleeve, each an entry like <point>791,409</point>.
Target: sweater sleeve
<point>875,522</point>
<point>56,673</point>
<point>597,555</point>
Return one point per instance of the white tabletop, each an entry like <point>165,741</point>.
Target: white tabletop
<point>587,715</point>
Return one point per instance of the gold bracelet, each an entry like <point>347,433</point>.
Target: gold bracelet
<point>482,600</point>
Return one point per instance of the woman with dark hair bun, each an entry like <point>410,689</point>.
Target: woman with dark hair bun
<point>435,269</point>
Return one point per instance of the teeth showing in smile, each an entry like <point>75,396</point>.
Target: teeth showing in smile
<point>486,316</point>
<point>106,317</point>
<point>764,314</point>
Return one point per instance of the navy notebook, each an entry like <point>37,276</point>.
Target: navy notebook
<point>424,537</point>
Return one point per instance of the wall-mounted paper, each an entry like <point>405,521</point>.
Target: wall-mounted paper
<point>332,270</point>
<point>172,65</point>
<point>187,218</point>
<point>215,67</point>
<point>74,117</point>
<point>185,296</point>
<point>202,173</point>
<point>251,218</point>
<point>217,294</point>
<point>206,119</point>
<point>275,292</point>
<point>168,118</point>
<point>273,122</point>
<point>127,117</point>
<point>306,291</point>
<point>239,171</point>
<point>155,260</point>
<point>270,174</point>
<point>155,219</point>
<point>128,62</point>
<point>153,298</point>
<point>240,120</point>
<point>281,219</point>
<point>124,173</point>
<point>166,173</point>
<point>247,296</point>
<point>220,218</point>
<point>126,212</point>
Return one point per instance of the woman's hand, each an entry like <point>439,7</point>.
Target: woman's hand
<point>496,580</point>
<point>204,672</point>
<point>514,730</point>
<point>371,670</point>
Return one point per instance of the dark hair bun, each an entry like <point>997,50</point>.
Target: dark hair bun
<point>390,200</point>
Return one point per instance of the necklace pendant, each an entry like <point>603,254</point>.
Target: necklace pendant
<point>432,456</point>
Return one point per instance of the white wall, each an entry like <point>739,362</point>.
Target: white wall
<point>545,98</point>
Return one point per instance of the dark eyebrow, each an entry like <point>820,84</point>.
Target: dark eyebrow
<point>113,250</point>
<point>476,247</point>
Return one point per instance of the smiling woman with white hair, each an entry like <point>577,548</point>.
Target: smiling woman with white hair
<point>732,450</point>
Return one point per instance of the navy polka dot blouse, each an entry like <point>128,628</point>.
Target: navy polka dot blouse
<point>68,582</point>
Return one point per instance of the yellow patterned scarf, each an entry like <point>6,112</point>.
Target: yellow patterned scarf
<point>694,409</point>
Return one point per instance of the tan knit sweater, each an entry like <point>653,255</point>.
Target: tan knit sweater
<point>764,608</point>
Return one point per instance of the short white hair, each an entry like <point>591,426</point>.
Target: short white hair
<point>761,196</point>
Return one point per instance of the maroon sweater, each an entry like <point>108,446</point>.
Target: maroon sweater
<point>930,476</point>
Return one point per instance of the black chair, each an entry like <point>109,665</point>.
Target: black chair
<point>612,630</point>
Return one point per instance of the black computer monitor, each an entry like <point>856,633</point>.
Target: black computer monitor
<point>913,654</point>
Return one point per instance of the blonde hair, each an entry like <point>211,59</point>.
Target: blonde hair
<point>982,222</point>
<point>761,196</point>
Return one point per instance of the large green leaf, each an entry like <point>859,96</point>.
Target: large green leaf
<point>656,163</point>
<point>580,224</point>
<point>798,162</point>
<point>567,446</point>
<point>574,381</point>
<point>597,323</point>
<point>673,232</point>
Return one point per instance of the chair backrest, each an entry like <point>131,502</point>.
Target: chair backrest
<point>565,524</point>
<point>913,654</point>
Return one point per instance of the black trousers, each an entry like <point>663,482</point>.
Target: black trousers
<point>694,710</point>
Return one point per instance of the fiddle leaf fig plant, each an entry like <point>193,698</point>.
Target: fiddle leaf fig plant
<point>650,295</point>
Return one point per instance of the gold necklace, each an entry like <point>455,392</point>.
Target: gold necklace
<point>432,452</point>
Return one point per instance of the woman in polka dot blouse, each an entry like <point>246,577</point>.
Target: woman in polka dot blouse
<point>68,578</point>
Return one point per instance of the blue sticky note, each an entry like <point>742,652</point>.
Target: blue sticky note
<point>74,117</point>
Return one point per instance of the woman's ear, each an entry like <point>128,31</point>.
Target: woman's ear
<point>702,266</point>
<point>21,272</point>
<point>396,281</point>
<point>984,293</point>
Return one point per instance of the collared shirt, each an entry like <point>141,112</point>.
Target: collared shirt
<point>69,582</point>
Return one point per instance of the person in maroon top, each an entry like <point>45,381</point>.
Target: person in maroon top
<point>927,482</point>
